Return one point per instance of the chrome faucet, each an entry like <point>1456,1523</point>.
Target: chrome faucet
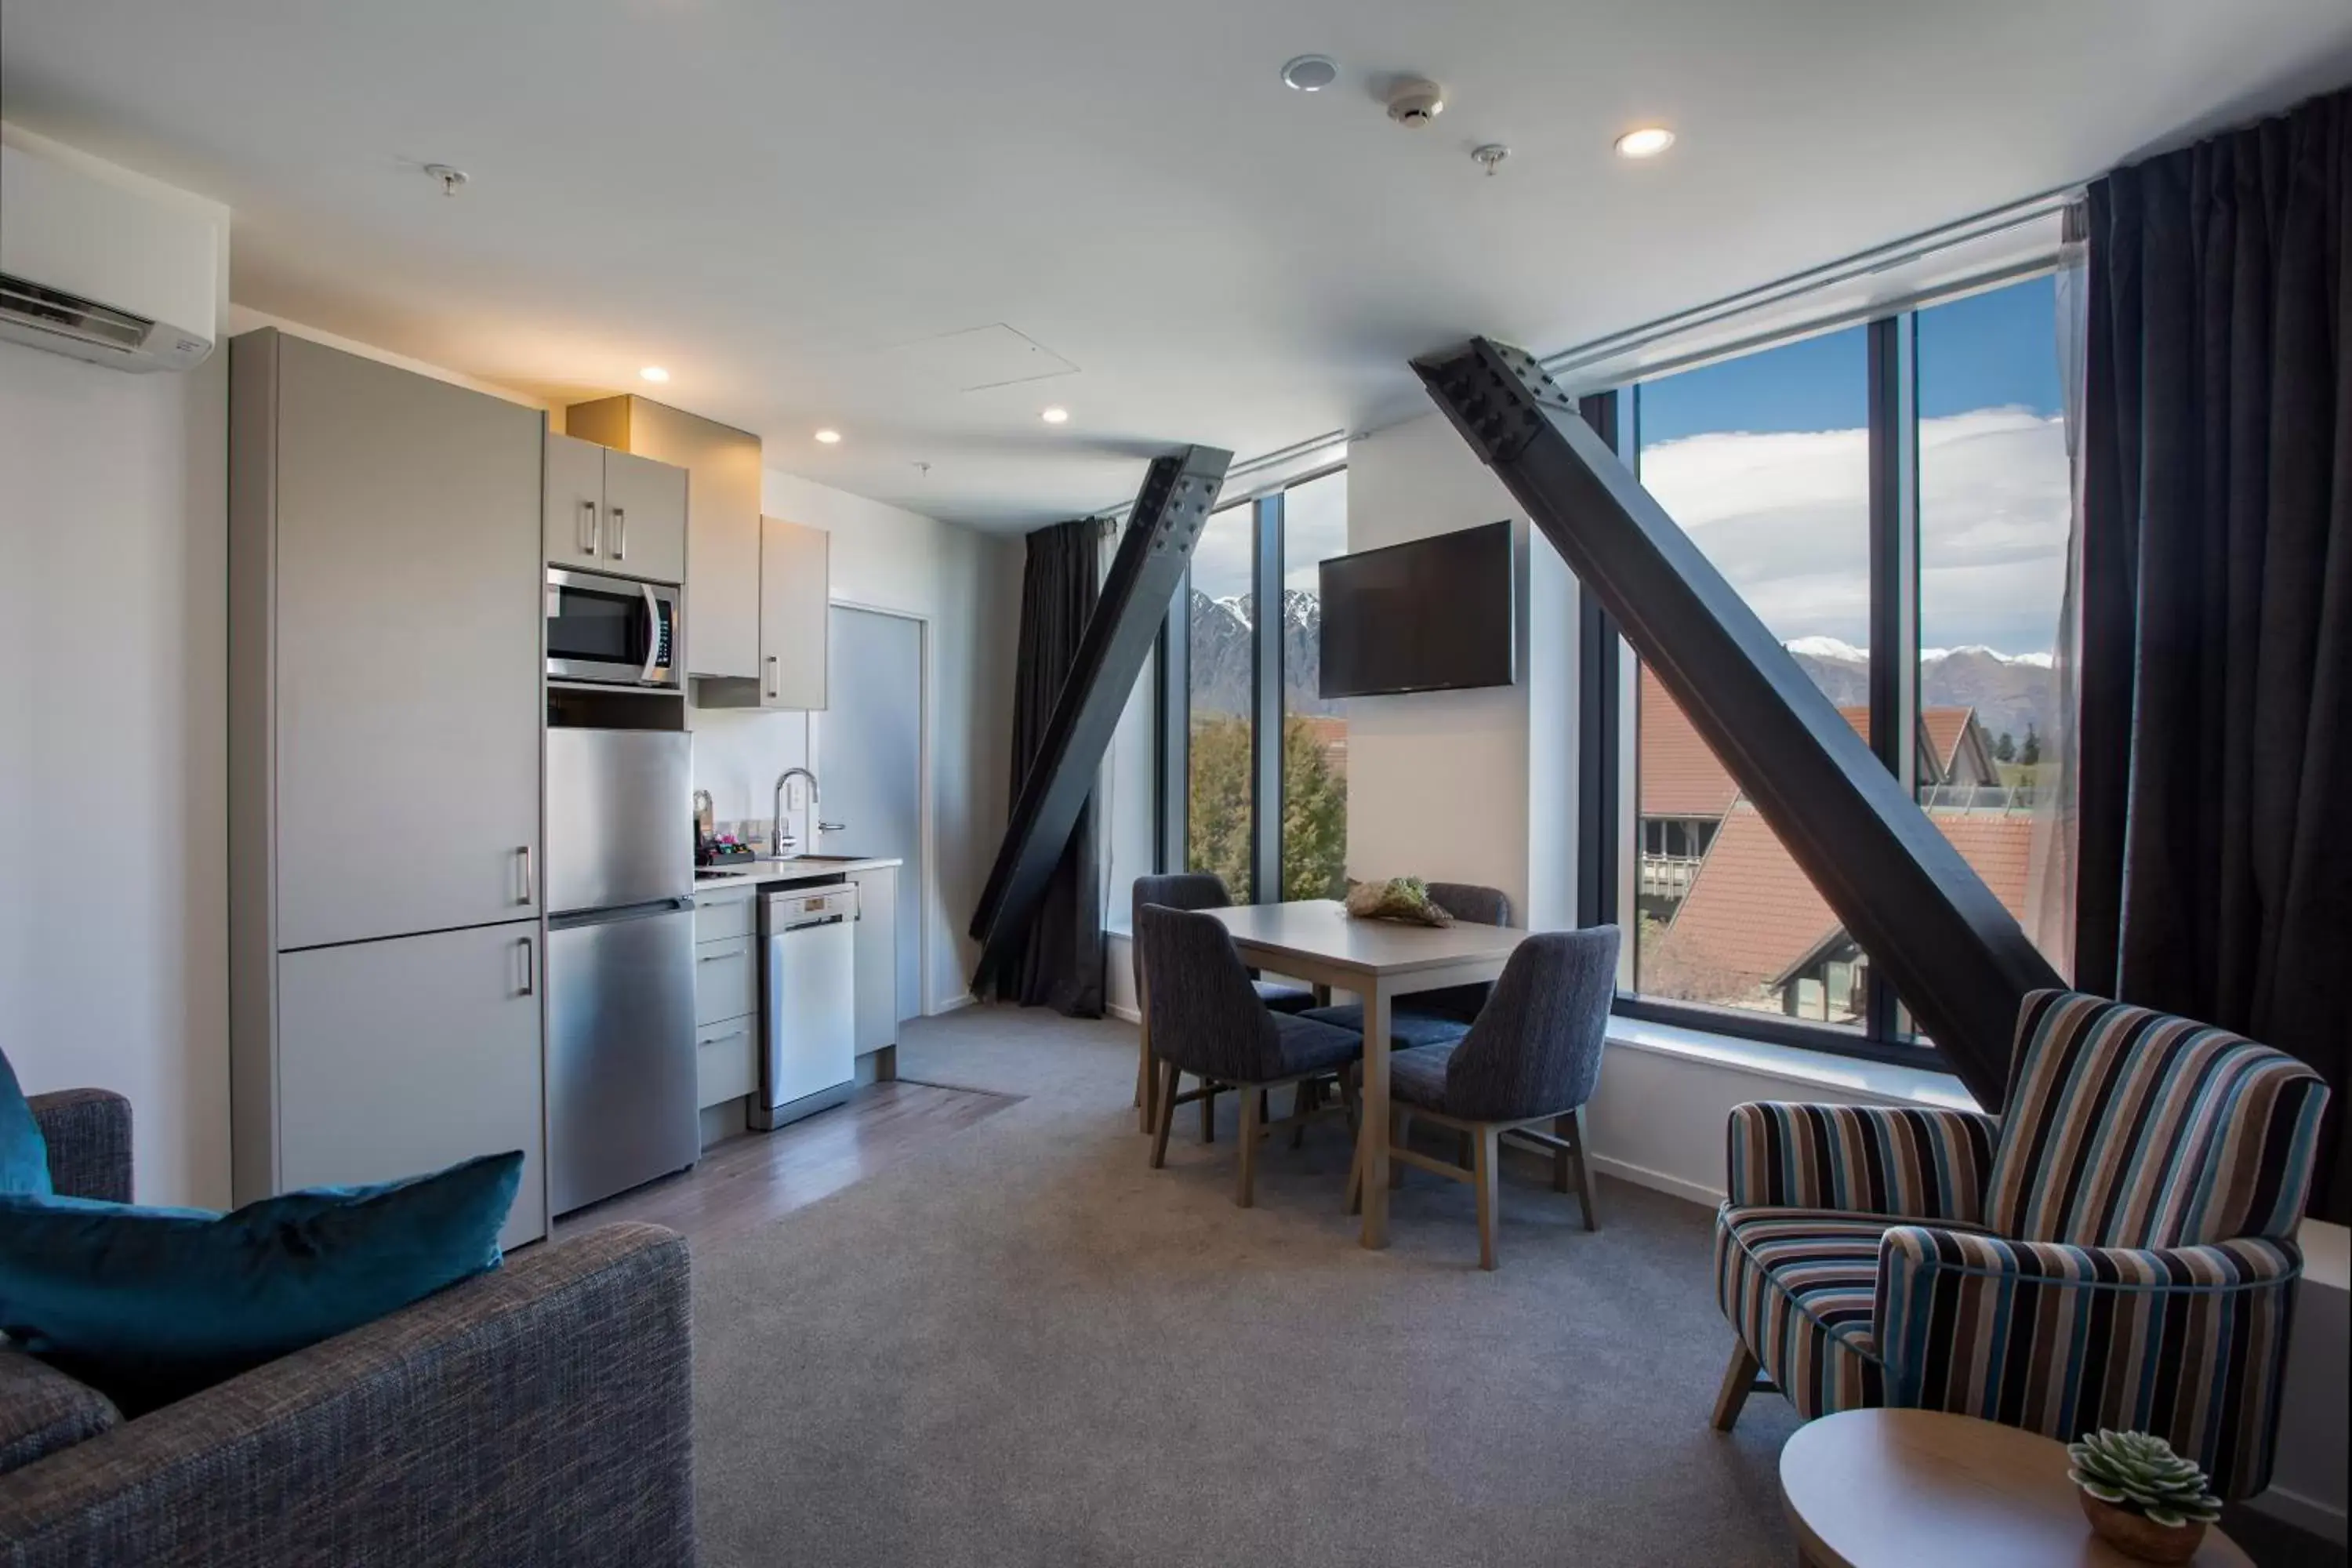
<point>781,844</point>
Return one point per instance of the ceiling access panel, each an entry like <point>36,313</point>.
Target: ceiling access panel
<point>1935,931</point>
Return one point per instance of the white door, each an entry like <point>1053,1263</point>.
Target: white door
<point>869,762</point>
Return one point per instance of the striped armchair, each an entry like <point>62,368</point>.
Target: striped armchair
<point>2116,1251</point>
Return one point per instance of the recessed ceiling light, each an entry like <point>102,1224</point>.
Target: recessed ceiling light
<point>654,373</point>
<point>830,437</point>
<point>1310,73</point>
<point>1056,416</point>
<point>1646,142</point>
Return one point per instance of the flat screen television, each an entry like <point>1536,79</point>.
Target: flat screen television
<point>1431,614</point>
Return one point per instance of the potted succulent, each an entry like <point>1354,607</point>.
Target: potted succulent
<point>2140,1497</point>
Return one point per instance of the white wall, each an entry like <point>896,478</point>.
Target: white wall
<point>113,776</point>
<point>1439,784</point>
<point>967,586</point>
<point>113,780</point>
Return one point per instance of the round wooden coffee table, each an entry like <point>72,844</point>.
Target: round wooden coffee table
<point>1873,1488</point>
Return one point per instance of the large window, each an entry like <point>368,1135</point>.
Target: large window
<point>1765,462</point>
<point>1909,471</point>
<point>1314,731</point>
<point>1994,501</point>
<point>1264,772</point>
<point>1219,700</point>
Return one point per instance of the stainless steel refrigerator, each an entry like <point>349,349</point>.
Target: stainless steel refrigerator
<point>620,961</point>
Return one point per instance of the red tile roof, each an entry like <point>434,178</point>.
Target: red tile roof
<point>1751,914</point>
<point>1680,776</point>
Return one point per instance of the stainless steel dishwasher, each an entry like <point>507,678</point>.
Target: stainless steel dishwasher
<point>808,998</point>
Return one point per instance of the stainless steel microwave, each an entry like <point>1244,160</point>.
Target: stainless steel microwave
<point>613,630</point>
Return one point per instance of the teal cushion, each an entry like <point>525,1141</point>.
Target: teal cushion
<point>23,1153</point>
<point>149,1305</point>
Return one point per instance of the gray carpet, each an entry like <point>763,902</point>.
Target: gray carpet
<point>1026,1347</point>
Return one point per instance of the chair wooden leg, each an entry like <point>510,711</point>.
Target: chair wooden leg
<point>1584,1182</point>
<point>1164,1110</point>
<point>1355,1186</point>
<point>1563,1127</point>
<point>1486,1149</point>
<point>1303,1100</point>
<point>1739,1381</point>
<point>1402,1124</point>
<point>1253,1119</point>
<point>1208,1111</point>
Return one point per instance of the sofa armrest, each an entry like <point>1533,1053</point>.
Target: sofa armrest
<point>2186,1342</point>
<point>1901,1162</point>
<point>540,1414</point>
<point>88,1134</point>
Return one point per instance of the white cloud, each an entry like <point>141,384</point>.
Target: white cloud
<point>1784,516</point>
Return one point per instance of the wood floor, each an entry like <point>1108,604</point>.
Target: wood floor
<point>743,1182</point>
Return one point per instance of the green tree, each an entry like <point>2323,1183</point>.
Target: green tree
<point>2005,749</point>
<point>1218,827</point>
<point>1313,817</point>
<point>1314,809</point>
<point>2030,752</point>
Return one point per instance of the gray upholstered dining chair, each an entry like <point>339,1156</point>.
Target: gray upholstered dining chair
<point>1194,890</point>
<point>1206,1019</point>
<point>1533,1056</point>
<point>1206,890</point>
<point>1435,1017</point>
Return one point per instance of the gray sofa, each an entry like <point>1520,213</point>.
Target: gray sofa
<point>537,1415</point>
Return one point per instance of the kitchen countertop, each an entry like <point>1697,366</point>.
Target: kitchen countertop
<point>807,868</point>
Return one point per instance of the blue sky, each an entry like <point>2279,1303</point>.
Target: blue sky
<point>1996,349</point>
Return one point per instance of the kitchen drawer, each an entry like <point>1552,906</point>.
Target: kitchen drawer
<point>726,980</point>
<point>726,1060</point>
<point>717,916</point>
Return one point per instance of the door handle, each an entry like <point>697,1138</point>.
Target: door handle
<point>529,891</point>
<point>772,690</point>
<point>529,967</point>
<point>587,536</point>
<point>620,532</point>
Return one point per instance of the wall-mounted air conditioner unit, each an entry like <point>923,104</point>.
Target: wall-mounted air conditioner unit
<point>100,271</point>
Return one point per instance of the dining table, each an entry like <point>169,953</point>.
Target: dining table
<point>1316,941</point>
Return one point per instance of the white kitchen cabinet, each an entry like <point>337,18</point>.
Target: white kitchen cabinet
<point>386,696</point>
<point>603,510</point>
<point>722,522</point>
<point>726,980</point>
<point>795,590</point>
<point>645,518</point>
<point>402,1057</point>
<point>875,946</point>
<point>386,642</point>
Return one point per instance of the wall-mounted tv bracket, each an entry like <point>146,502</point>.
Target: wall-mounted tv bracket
<point>1153,552</point>
<point>1934,931</point>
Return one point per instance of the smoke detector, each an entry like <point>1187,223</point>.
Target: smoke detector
<point>1414,101</point>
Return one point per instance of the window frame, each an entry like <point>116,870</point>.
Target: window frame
<point>1171,698</point>
<point>1607,834</point>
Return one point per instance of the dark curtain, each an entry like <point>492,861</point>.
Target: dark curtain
<point>2215,830</point>
<point>1061,961</point>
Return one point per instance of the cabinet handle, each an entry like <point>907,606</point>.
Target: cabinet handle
<point>620,533</point>
<point>588,528</point>
<point>772,676</point>
<point>528,892</point>
<point>719,957</point>
<point>734,1034</point>
<point>530,968</point>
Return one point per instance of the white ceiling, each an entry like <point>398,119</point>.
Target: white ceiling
<point>780,203</point>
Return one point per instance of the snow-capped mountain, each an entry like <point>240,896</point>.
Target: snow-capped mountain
<point>2009,691</point>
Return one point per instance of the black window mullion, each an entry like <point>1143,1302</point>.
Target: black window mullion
<point>1266,702</point>
<point>1173,735</point>
<point>1601,815</point>
<point>1894,402</point>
